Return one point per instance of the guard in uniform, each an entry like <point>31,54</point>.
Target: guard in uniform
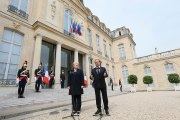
<point>51,75</point>
<point>23,76</point>
<point>39,76</point>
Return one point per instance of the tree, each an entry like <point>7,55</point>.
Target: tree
<point>174,78</point>
<point>147,80</point>
<point>132,79</point>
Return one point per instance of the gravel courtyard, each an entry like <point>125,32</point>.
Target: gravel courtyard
<point>157,105</point>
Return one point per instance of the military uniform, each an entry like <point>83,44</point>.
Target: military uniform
<point>52,80</point>
<point>39,75</point>
<point>23,76</point>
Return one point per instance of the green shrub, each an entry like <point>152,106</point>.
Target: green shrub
<point>132,79</point>
<point>174,78</point>
<point>147,80</point>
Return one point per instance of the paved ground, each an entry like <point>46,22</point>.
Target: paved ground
<point>160,105</point>
<point>10,105</point>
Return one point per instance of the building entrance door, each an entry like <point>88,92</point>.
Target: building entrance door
<point>67,58</point>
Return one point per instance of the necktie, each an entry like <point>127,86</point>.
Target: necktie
<point>98,70</point>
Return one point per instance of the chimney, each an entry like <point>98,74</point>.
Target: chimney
<point>82,2</point>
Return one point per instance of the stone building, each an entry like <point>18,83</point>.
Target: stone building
<point>58,32</point>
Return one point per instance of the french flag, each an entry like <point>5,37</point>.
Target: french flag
<point>71,27</point>
<point>79,30</point>
<point>46,77</point>
<point>74,27</point>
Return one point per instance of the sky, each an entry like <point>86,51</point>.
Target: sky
<point>153,23</point>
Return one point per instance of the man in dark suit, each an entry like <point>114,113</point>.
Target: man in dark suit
<point>75,86</point>
<point>98,75</point>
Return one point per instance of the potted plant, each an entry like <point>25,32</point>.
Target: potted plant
<point>132,79</point>
<point>148,80</point>
<point>174,79</point>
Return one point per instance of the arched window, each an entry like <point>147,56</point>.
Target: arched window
<point>122,53</point>
<point>125,74</point>
<point>147,71</point>
<point>68,19</point>
<point>10,50</point>
<point>89,34</point>
<point>169,68</point>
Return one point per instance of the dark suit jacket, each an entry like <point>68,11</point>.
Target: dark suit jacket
<point>99,78</point>
<point>75,81</point>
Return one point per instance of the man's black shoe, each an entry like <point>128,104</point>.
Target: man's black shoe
<point>73,113</point>
<point>78,112</point>
<point>98,112</point>
<point>21,96</point>
<point>107,112</point>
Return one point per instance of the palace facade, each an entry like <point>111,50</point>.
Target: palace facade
<point>58,32</point>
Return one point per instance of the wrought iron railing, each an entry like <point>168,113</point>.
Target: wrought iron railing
<point>7,82</point>
<point>18,12</point>
<point>68,33</point>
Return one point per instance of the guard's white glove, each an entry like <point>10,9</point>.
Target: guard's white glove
<point>17,81</point>
<point>28,81</point>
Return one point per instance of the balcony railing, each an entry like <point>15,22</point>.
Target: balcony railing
<point>69,34</point>
<point>163,55</point>
<point>6,82</point>
<point>18,12</point>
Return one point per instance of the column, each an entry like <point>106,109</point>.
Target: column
<point>87,68</point>
<point>58,63</point>
<point>76,56</point>
<point>37,55</point>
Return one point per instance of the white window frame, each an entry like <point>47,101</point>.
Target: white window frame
<point>105,48</point>
<point>147,71</point>
<point>125,74</point>
<point>98,42</point>
<point>89,37</point>
<point>19,5</point>
<point>6,73</point>
<point>69,13</point>
<point>113,71</point>
<point>122,53</point>
<point>110,51</point>
<point>169,68</point>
